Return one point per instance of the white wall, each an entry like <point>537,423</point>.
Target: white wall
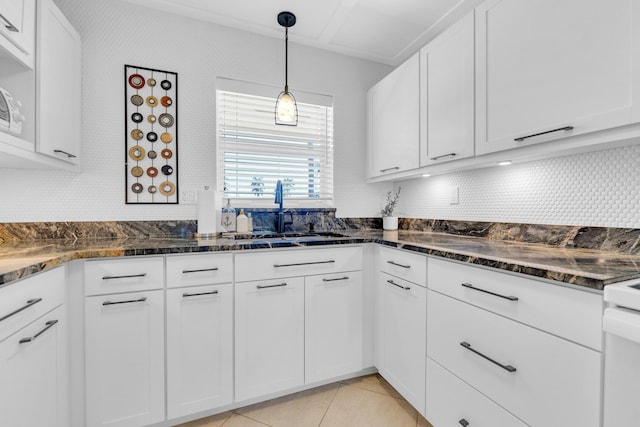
<point>115,33</point>
<point>592,189</point>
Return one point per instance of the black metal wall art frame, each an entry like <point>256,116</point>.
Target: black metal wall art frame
<point>151,136</point>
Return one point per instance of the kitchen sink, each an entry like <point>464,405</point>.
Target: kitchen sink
<point>283,238</point>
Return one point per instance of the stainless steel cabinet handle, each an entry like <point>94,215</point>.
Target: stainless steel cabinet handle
<point>124,277</point>
<point>522,138</point>
<point>24,307</point>
<point>463,422</point>
<point>336,279</point>
<point>507,368</point>
<point>270,286</point>
<point>399,265</point>
<point>9,26</point>
<point>443,156</point>
<point>48,325</point>
<point>187,295</point>
<point>69,155</point>
<point>390,169</point>
<point>470,286</point>
<point>406,288</point>
<point>200,270</point>
<point>303,263</point>
<point>143,299</point>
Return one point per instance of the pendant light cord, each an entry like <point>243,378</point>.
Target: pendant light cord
<point>286,60</point>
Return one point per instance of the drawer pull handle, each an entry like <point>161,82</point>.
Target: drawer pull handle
<point>8,25</point>
<point>336,279</point>
<point>304,263</point>
<point>69,155</point>
<point>200,270</point>
<point>398,265</point>
<point>270,286</point>
<point>187,295</point>
<point>143,299</point>
<point>48,325</point>
<point>443,156</point>
<point>508,368</point>
<point>463,422</point>
<point>24,307</point>
<point>389,169</point>
<point>470,286</point>
<point>124,277</point>
<point>406,288</point>
<point>522,138</point>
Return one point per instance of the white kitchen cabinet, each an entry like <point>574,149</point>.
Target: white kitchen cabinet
<point>393,109</point>
<point>33,374</point>
<point>550,69</point>
<point>58,82</point>
<point>124,338</point>
<point>542,379</point>
<point>199,348</point>
<point>269,336</point>
<point>199,269</point>
<point>447,95</point>
<point>18,30</point>
<point>333,325</point>
<point>402,337</point>
<point>450,402</point>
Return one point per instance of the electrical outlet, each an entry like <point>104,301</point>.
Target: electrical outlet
<point>454,196</point>
<point>188,197</point>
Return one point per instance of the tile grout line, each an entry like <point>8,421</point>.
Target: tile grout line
<point>330,403</point>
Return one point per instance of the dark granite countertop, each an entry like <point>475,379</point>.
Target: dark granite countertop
<point>588,268</point>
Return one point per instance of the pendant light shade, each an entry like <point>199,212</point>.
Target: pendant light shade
<point>286,112</point>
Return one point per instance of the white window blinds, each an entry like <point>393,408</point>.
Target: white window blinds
<point>254,152</point>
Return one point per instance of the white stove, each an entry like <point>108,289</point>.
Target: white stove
<point>621,324</point>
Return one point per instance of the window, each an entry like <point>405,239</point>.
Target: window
<point>253,152</point>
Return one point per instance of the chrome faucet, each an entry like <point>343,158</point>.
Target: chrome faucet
<point>280,222</point>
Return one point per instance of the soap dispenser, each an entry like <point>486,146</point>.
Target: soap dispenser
<point>242,222</point>
<point>228,220</point>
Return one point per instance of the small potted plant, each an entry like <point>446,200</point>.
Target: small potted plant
<point>389,221</point>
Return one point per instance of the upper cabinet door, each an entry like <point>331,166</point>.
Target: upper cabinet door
<point>448,94</point>
<point>18,29</point>
<point>549,69</point>
<point>394,128</point>
<point>57,85</point>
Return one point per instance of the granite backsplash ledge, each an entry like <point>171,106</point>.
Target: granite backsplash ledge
<point>618,240</point>
<point>263,219</point>
<point>610,239</point>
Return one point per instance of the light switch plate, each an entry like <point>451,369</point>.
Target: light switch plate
<point>454,196</point>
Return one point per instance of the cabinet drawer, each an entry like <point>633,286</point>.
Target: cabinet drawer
<point>405,265</point>
<point>123,275</point>
<point>199,269</point>
<point>544,380</point>
<point>299,262</point>
<point>468,405</point>
<point>569,313</point>
<point>26,300</point>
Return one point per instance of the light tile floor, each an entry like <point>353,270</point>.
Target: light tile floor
<point>367,401</point>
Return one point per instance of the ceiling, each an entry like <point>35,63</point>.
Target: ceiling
<point>386,31</point>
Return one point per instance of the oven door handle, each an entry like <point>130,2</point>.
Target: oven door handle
<point>622,322</point>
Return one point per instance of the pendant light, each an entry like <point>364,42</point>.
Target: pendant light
<point>286,108</point>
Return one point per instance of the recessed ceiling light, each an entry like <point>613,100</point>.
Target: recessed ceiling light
<point>426,175</point>
<point>504,163</point>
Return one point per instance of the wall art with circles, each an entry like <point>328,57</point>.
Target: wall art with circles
<point>151,136</point>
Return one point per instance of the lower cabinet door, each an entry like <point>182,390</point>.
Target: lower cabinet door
<point>403,338</point>
<point>269,321</point>
<point>199,349</point>
<point>333,325</point>
<point>33,374</point>
<point>125,359</point>
<point>451,402</point>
